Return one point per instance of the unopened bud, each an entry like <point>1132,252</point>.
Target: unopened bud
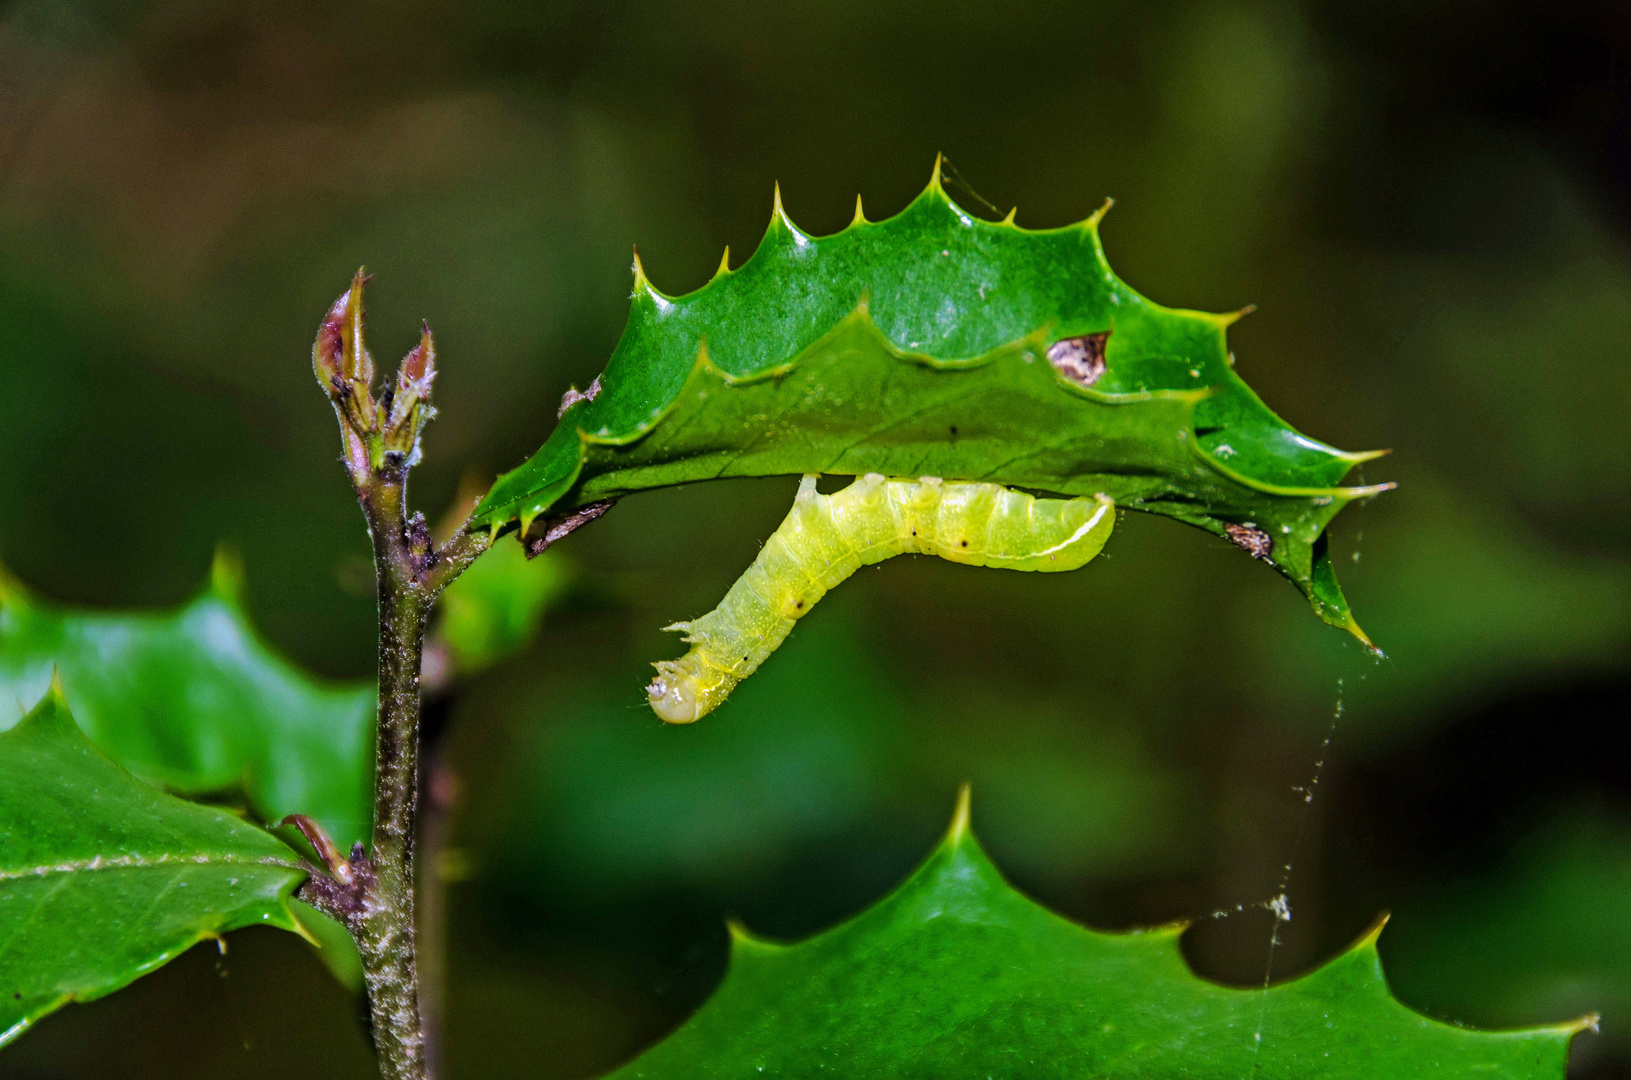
<point>420,363</point>
<point>359,364</point>
<point>340,353</point>
<point>345,370</point>
<point>410,400</point>
<point>328,351</point>
<point>377,433</point>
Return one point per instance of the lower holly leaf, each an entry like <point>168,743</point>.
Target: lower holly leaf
<point>333,944</point>
<point>195,701</point>
<point>957,975</point>
<point>104,878</point>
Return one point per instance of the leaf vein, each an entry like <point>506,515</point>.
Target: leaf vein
<point>140,862</point>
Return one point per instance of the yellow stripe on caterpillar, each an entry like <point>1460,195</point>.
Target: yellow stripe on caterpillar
<point>826,538</point>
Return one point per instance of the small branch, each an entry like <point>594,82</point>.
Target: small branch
<point>385,930</point>
<point>325,848</point>
<point>373,893</point>
<point>454,557</point>
<point>343,898</point>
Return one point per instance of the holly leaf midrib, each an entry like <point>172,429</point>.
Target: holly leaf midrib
<point>117,862</point>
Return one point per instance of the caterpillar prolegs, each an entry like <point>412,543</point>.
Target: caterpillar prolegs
<point>826,538</point>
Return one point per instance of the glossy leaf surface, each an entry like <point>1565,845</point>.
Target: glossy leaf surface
<point>957,975</point>
<point>104,878</point>
<point>194,701</point>
<point>921,345</point>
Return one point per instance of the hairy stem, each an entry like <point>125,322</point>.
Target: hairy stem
<point>385,926</point>
<point>410,575</point>
<point>438,795</point>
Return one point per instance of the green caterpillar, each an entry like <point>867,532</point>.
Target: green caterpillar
<point>826,538</point>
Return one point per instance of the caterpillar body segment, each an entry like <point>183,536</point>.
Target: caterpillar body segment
<point>826,538</point>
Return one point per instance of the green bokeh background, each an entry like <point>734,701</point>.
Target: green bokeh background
<point>1429,202</point>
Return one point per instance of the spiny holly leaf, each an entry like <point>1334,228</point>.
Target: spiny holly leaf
<point>104,878</point>
<point>938,343</point>
<point>193,701</point>
<point>957,975</point>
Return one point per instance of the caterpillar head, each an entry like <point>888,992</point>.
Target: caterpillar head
<point>673,695</point>
<point>686,690</point>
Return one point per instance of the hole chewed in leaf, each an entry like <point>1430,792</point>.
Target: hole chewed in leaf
<point>1257,543</point>
<point>1079,359</point>
<point>573,395</point>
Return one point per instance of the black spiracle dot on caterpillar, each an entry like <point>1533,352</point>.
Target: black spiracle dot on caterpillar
<point>965,543</point>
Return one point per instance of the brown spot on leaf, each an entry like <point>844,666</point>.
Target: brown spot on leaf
<point>1079,359</point>
<point>1257,543</point>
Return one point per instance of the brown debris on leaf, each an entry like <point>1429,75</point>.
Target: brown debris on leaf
<point>1079,359</point>
<point>1256,543</point>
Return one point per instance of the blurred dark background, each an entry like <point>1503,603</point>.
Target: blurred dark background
<point>1429,201</point>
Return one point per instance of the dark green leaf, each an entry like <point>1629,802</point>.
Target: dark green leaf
<point>920,345</point>
<point>333,944</point>
<point>493,609</point>
<point>192,700</point>
<point>957,975</point>
<point>104,878</point>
